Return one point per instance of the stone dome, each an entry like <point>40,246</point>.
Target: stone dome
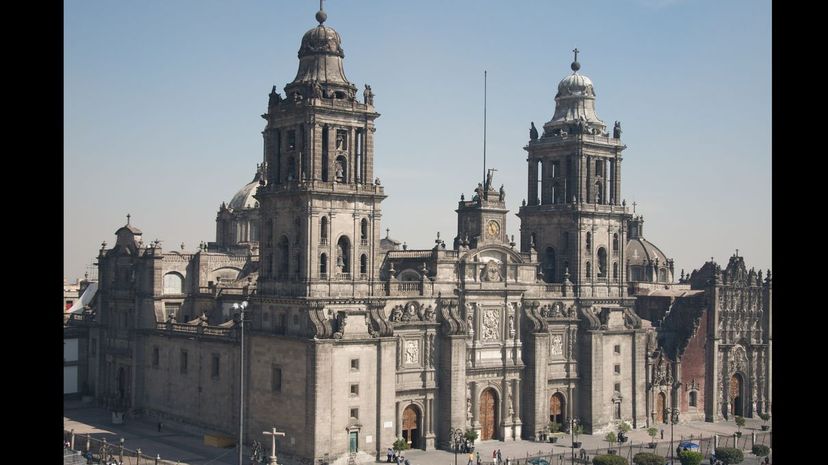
<point>321,40</point>
<point>575,106</point>
<point>244,197</point>
<point>575,85</point>
<point>640,251</point>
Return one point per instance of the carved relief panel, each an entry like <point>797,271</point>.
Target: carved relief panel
<point>491,325</point>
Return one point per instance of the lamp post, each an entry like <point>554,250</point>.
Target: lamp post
<point>455,438</point>
<point>573,421</point>
<point>674,418</point>
<point>240,309</point>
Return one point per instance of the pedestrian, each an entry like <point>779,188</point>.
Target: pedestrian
<point>407,462</point>
<point>478,457</point>
<point>160,425</point>
<point>390,452</point>
<point>662,433</point>
<point>494,456</point>
<point>499,457</point>
<point>471,459</point>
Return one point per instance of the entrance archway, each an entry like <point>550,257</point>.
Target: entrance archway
<point>661,400</point>
<point>410,426</point>
<point>557,408</point>
<point>488,414</point>
<point>737,395</point>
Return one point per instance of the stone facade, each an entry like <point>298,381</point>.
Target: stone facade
<point>352,342</point>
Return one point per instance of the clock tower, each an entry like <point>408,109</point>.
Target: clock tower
<point>482,220</point>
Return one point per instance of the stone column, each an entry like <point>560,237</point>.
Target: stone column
<point>532,192</point>
<point>475,395</point>
<point>516,416</point>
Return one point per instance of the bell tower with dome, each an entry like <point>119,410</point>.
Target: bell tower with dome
<point>320,203</point>
<point>574,216</point>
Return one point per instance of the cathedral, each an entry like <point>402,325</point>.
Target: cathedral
<point>351,341</point>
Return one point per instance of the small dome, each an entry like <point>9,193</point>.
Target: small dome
<point>640,252</point>
<point>244,197</point>
<point>321,40</point>
<point>575,85</point>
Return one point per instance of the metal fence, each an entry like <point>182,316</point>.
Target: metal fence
<point>629,449</point>
<point>99,451</point>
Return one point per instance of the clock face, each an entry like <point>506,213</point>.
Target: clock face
<point>492,229</point>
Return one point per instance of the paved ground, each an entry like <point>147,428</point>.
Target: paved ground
<point>174,443</point>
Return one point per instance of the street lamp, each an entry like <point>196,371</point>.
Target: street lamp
<point>456,437</point>
<point>239,308</point>
<point>573,421</point>
<point>674,418</point>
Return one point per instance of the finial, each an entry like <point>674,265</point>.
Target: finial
<point>321,16</point>
<point>575,65</point>
<point>128,216</point>
<point>387,233</point>
<point>737,252</point>
<point>634,204</point>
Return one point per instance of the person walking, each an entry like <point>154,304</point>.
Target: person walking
<point>471,459</point>
<point>499,457</point>
<point>390,453</point>
<point>478,457</point>
<point>494,456</point>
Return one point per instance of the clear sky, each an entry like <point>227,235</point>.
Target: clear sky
<point>162,105</point>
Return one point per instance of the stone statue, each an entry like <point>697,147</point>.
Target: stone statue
<point>533,132</point>
<point>479,191</point>
<point>489,176</point>
<point>274,98</point>
<point>616,131</point>
<point>429,314</point>
<point>340,172</point>
<point>369,95</point>
<point>502,193</point>
<point>316,90</point>
<point>396,313</point>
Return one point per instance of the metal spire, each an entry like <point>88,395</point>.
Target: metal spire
<point>575,65</point>
<point>484,127</point>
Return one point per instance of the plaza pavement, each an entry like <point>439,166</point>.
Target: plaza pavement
<point>185,443</point>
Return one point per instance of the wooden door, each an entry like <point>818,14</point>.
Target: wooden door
<point>488,414</point>
<point>736,395</point>
<point>409,426</point>
<point>556,409</point>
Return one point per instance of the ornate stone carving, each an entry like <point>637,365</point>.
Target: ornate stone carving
<point>536,320</point>
<point>491,272</point>
<point>512,325</point>
<point>470,318</point>
<point>341,322</point>
<point>429,314</point>
<point>556,344</point>
<point>396,313</point>
<point>452,323</point>
<point>412,352</point>
<point>491,325</point>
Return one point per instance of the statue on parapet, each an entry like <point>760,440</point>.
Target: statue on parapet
<point>369,95</point>
<point>533,132</point>
<point>316,90</point>
<point>616,131</point>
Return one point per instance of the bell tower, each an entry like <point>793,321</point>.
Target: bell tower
<point>319,202</point>
<point>573,215</point>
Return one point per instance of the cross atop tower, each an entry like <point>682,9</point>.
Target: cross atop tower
<point>128,216</point>
<point>575,51</point>
<point>634,204</point>
<point>387,233</point>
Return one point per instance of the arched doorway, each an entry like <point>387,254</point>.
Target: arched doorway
<point>661,400</point>
<point>410,428</point>
<point>557,409</point>
<point>736,395</point>
<point>488,414</point>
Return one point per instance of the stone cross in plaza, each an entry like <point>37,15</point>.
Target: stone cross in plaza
<point>273,435</point>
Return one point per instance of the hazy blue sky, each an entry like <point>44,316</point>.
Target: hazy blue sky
<point>162,105</point>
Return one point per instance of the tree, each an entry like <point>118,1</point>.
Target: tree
<point>609,460</point>
<point>653,432</point>
<point>577,431</point>
<point>740,422</point>
<point>648,458</point>
<point>765,417</point>
<point>611,438</point>
<point>623,429</point>
<point>760,450</point>
<point>471,435</point>
<point>554,427</point>
<point>400,445</point>
<point>690,457</point>
<point>729,455</point>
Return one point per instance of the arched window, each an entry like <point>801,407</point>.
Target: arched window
<point>363,231</point>
<point>588,270</point>
<point>284,255</point>
<point>363,264</point>
<point>615,243</point>
<point>589,241</point>
<point>549,265</point>
<point>693,399</point>
<point>602,262</point>
<point>323,230</point>
<point>615,271</point>
<point>341,169</point>
<point>173,283</point>
<point>323,265</point>
<point>343,255</point>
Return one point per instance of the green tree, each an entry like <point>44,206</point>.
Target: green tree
<point>400,445</point>
<point>471,435</point>
<point>577,431</point>
<point>610,438</point>
<point>653,432</point>
<point>609,460</point>
<point>690,457</point>
<point>729,455</point>
<point>648,458</point>
<point>740,422</point>
<point>760,450</point>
